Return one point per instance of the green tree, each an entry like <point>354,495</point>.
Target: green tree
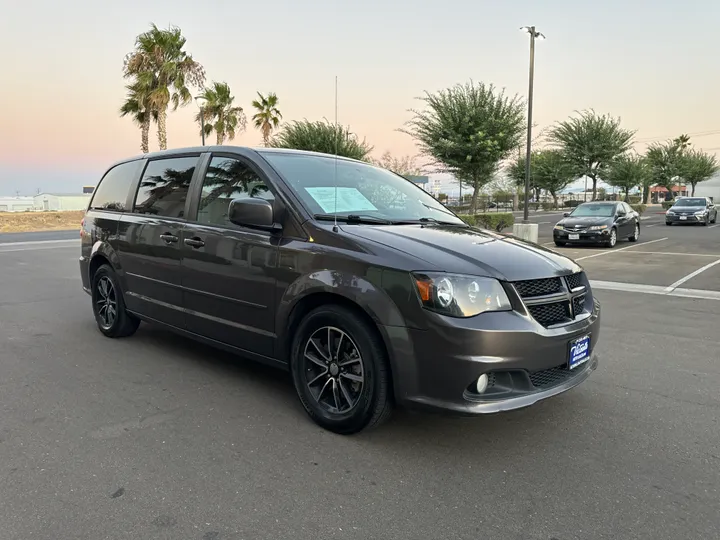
<point>553,172</point>
<point>321,137</point>
<point>267,118</point>
<point>220,115</point>
<point>682,142</point>
<point>160,63</point>
<point>516,171</point>
<point>468,130</point>
<point>137,106</point>
<point>626,172</point>
<point>404,166</point>
<point>663,160</point>
<point>590,142</point>
<point>696,166</point>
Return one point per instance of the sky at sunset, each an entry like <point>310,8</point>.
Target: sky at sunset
<point>653,63</point>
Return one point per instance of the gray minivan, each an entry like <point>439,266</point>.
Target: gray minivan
<point>368,290</point>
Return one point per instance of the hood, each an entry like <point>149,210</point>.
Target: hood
<point>585,221</point>
<point>468,251</point>
<point>687,209</point>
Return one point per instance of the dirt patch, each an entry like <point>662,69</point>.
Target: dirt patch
<point>40,221</point>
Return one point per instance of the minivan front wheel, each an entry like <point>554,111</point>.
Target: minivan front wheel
<point>109,305</point>
<point>340,371</point>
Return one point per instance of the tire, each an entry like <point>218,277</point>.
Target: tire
<point>613,238</point>
<point>636,235</point>
<point>705,221</point>
<point>336,402</point>
<point>668,223</point>
<point>106,294</point>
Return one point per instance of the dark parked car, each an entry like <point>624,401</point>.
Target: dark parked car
<point>691,210</point>
<point>357,281</point>
<point>599,222</point>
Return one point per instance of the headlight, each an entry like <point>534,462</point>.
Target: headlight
<point>598,227</point>
<point>669,213</point>
<point>700,213</point>
<point>460,296</point>
<point>559,227</point>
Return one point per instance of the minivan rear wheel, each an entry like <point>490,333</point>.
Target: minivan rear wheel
<point>112,318</point>
<point>340,371</point>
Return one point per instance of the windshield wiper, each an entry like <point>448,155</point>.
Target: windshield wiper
<point>355,218</point>
<point>433,220</point>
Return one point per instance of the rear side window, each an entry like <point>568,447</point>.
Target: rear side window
<point>113,190</point>
<point>164,187</point>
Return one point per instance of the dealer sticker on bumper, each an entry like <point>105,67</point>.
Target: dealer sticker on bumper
<point>579,352</point>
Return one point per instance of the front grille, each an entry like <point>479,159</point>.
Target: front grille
<point>548,378</point>
<point>576,229</point>
<point>550,314</point>
<point>574,280</point>
<point>578,304</point>
<point>538,287</point>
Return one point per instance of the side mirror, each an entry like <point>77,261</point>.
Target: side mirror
<point>621,213</point>
<point>566,214</point>
<point>255,213</point>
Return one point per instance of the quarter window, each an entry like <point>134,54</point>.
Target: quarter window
<point>227,179</point>
<point>114,188</point>
<point>164,187</point>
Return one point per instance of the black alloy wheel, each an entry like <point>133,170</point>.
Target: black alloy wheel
<point>109,305</point>
<point>613,238</point>
<point>636,235</point>
<point>340,370</point>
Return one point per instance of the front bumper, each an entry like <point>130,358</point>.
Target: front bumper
<point>688,219</point>
<point>525,363</point>
<point>583,237</point>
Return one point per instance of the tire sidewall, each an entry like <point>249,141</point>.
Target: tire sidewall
<point>339,318</point>
<point>610,242</point>
<point>106,271</point>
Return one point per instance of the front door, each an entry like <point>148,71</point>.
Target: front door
<point>150,238</point>
<point>229,271</point>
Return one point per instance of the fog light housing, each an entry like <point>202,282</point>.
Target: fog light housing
<point>482,384</point>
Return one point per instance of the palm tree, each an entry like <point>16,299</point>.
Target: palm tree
<point>268,115</point>
<point>137,106</point>
<point>160,63</point>
<point>220,115</point>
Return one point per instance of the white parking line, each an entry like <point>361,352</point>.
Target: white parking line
<point>691,275</point>
<point>713,255</point>
<point>36,242</point>
<point>654,289</point>
<point>43,248</point>
<point>713,226</point>
<point>646,226</point>
<point>619,250</point>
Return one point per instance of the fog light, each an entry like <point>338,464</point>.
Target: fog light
<point>482,383</point>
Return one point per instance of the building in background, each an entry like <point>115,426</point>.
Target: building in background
<point>16,204</point>
<point>61,201</point>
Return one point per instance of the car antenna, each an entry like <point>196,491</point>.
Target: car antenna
<point>337,136</point>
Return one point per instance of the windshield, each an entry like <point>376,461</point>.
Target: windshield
<point>356,189</point>
<point>690,202</point>
<point>594,210</point>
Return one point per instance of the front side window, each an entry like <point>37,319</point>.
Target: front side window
<point>329,186</point>
<point>164,187</point>
<point>227,179</point>
<point>113,190</point>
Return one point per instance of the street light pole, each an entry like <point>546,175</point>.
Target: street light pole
<point>201,103</point>
<point>533,34</point>
<point>202,124</point>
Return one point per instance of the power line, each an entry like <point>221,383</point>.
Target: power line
<point>697,134</point>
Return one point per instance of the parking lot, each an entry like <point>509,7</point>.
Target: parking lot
<point>157,437</point>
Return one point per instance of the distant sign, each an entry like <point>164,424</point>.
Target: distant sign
<point>418,179</point>
<point>88,189</point>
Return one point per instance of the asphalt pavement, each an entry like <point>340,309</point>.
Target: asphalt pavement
<point>158,437</point>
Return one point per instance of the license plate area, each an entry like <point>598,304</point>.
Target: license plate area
<point>574,236</point>
<point>579,351</point>
<point>683,218</point>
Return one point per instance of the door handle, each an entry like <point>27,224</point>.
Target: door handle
<point>194,242</point>
<point>169,238</point>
